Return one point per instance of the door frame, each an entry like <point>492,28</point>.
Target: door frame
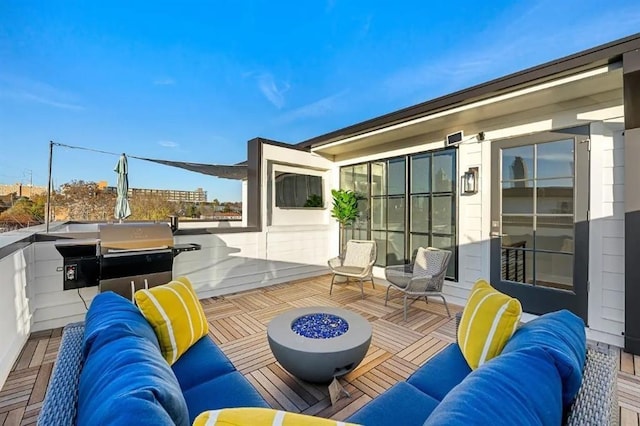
<point>537,299</point>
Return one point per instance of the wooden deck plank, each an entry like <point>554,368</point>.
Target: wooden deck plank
<point>238,323</point>
<point>14,417</point>
<point>27,353</point>
<point>40,386</point>
<point>626,363</point>
<point>276,393</point>
<point>39,353</point>
<point>628,417</point>
<point>294,385</point>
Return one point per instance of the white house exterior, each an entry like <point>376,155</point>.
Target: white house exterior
<point>565,203</point>
<point>548,147</point>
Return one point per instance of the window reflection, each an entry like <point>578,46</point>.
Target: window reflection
<point>429,203</point>
<point>538,214</point>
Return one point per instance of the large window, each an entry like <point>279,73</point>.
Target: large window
<point>406,202</point>
<point>356,178</point>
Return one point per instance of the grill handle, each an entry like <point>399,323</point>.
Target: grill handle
<point>180,248</point>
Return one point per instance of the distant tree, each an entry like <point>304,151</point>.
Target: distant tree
<point>24,212</point>
<point>85,201</point>
<point>228,208</point>
<point>39,203</point>
<point>192,211</point>
<point>151,207</point>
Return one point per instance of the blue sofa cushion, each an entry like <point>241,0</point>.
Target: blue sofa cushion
<point>126,377</point>
<point>402,404</point>
<point>521,387</point>
<point>202,362</point>
<point>562,335</point>
<point>441,373</point>
<point>109,310</point>
<point>227,391</point>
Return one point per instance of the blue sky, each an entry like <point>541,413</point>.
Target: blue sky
<point>194,80</point>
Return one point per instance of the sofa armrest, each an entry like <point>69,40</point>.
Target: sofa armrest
<point>596,402</point>
<point>61,400</point>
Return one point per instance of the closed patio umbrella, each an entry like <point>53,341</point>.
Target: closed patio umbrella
<point>122,189</point>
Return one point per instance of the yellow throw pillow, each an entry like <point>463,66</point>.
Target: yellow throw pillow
<point>176,315</point>
<point>259,417</point>
<point>488,321</point>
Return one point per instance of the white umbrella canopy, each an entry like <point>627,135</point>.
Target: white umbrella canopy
<point>122,209</point>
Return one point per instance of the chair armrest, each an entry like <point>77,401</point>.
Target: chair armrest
<point>404,269</point>
<point>335,262</point>
<point>61,400</point>
<point>596,402</point>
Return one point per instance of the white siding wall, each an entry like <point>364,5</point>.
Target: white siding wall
<point>15,311</point>
<point>473,243</point>
<point>606,256</point>
<point>53,307</point>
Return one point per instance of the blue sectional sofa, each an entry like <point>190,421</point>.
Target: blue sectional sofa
<point>536,380</point>
<point>110,371</point>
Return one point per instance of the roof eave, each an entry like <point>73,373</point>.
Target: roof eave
<point>599,55</point>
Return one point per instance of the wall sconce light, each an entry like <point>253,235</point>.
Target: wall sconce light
<point>470,181</point>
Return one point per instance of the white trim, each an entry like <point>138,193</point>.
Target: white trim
<point>532,89</point>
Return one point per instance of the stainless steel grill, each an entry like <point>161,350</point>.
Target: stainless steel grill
<point>125,258</point>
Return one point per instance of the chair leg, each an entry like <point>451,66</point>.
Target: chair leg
<point>405,307</point>
<point>333,277</point>
<point>372,283</point>
<point>426,300</point>
<point>446,306</point>
<point>386,298</point>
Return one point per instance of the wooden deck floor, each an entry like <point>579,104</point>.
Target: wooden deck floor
<point>238,324</point>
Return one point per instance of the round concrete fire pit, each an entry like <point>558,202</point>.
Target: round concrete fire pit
<point>319,343</point>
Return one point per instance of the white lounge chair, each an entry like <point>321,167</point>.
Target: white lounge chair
<point>357,262</point>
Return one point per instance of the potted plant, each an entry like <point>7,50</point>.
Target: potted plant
<point>345,211</point>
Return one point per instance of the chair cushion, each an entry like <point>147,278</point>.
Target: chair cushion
<point>261,416</point>
<point>489,319</point>
<point>441,373</point>
<point>402,404</point>
<point>397,277</point>
<point>521,387</point>
<point>563,336</point>
<point>109,309</point>
<point>227,391</point>
<point>358,254</point>
<point>352,270</point>
<point>202,362</point>
<point>125,373</point>
<point>176,315</point>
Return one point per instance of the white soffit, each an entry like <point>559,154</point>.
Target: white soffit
<point>581,85</point>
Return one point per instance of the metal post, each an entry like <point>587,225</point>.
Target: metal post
<point>47,219</point>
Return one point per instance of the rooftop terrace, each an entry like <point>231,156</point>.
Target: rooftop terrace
<point>238,324</point>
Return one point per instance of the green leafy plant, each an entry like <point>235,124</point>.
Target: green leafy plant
<point>344,211</point>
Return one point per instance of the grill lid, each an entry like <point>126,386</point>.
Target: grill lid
<point>120,237</point>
